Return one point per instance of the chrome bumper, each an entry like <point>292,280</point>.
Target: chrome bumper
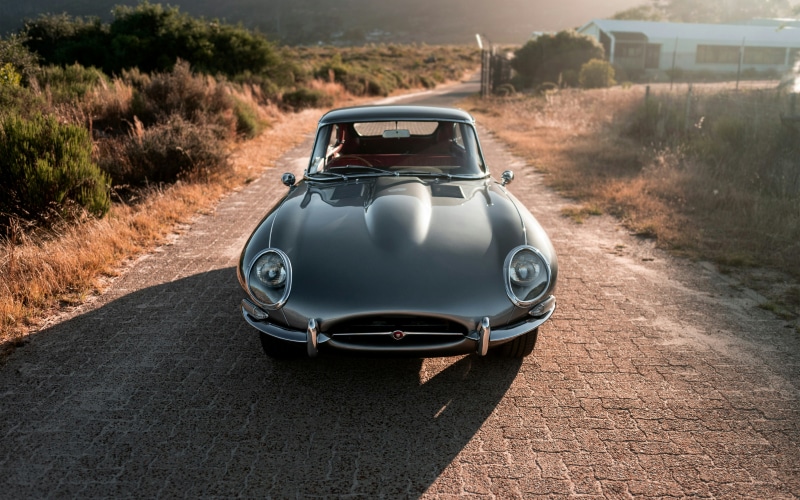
<point>478,340</point>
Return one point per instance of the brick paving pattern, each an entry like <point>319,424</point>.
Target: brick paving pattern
<point>655,378</point>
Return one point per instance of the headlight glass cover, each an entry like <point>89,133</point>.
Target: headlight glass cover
<point>270,278</point>
<point>527,275</point>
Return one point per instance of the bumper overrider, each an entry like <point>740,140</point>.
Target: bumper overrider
<point>477,340</point>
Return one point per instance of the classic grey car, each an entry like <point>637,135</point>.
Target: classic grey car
<point>398,241</point>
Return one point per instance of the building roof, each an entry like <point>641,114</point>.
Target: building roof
<point>787,36</point>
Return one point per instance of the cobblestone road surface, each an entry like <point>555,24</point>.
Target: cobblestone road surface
<point>655,378</point>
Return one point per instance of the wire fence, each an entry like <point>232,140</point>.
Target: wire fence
<point>747,132</point>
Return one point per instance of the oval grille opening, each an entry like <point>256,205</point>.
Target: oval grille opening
<point>381,331</point>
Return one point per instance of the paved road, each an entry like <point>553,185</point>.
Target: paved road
<point>655,378</point>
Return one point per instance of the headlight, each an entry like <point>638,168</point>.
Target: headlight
<point>270,278</point>
<point>527,275</point>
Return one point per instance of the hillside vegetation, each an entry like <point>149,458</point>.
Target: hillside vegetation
<point>93,152</point>
<point>349,22</point>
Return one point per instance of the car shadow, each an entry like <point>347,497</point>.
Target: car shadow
<point>169,387</point>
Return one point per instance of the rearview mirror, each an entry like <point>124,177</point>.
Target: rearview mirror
<point>396,134</point>
<point>507,177</point>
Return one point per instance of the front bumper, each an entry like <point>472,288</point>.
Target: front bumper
<point>478,340</point>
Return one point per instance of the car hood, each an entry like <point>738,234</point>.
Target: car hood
<point>397,245</point>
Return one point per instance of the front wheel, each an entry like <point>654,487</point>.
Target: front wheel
<point>520,346</point>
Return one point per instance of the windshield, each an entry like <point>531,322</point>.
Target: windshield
<point>397,148</point>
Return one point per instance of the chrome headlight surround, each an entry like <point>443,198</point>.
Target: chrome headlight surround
<point>527,275</point>
<point>269,278</point>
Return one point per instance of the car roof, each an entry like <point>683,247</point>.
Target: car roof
<point>395,112</point>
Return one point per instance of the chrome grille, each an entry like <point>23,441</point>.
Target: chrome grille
<point>377,331</point>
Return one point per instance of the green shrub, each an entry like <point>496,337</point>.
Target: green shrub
<point>14,52</point>
<point>548,56</point>
<point>596,74</point>
<point>303,98</point>
<point>69,83</point>
<point>150,37</point>
<point>569,78</point>
<point>9,76</point>
<point>248,124</point>
<point>47,167</point>
<point>265,89</point>
<point>62,40</point>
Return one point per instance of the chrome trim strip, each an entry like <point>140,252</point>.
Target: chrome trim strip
<point>517,302</point>
<point>389,334</point>
<point>463,346</point>
<point>279,332</point>
<point>485,331</point>
<point>501,336</point>
<point>253,310</point>
<point>468,344</point>
<point>288,287</point>
<point>546,305</point>
<point>311,338</point>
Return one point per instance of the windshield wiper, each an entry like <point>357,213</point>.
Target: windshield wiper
<point>332,175</point>
<point>375,170</point>
<point>438,175</point>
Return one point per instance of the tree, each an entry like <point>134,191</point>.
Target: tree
<point>640,13</point>
<point>708,11</point>
<point>546,57</point>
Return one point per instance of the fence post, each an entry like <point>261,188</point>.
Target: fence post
<point>487,56</point>
<point>687,110</point>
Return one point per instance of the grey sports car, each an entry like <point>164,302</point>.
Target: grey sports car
<point>398,241</point>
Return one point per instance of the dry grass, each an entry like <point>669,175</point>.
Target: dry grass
<point>696,199</point>
<point>41,273</point>
<point>49,268</point>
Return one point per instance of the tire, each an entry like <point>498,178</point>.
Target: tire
<point>279,349</point>
<point>521,346</point>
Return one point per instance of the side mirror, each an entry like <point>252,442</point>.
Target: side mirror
<point>288,179</point>
<point>507,177</point>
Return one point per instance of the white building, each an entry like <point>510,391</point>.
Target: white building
<point>721,48</point>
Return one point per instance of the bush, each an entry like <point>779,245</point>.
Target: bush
<point>180,92</point>
<point>69,83</point>
<point>596,74</point>
<point>9,76</point>
<point>569,78</point>
<point>548,56</point>
<point>303,98</point>
<point>47,167</point>
<point>22,61</point>
<point>62,40</point>
<point>152,38</point>
<point>166,152</point>
<point>248,123</point>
